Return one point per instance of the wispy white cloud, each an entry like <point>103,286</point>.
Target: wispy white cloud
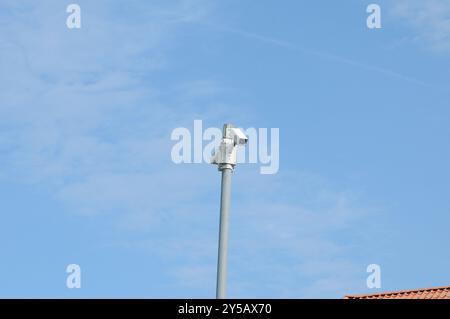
<point>75,102</point>
<point>430,20</point>
<point>83,116</point>
<point>294,238</point>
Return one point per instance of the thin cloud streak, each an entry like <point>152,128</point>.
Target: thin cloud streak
<point>321,54</point>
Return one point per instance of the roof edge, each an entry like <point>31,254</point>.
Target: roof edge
<point>395,292</point>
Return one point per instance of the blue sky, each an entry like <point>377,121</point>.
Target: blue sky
<point>85,123</point>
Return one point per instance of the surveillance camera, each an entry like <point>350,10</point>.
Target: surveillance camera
<point>225,155</point>
<point>237,135</point>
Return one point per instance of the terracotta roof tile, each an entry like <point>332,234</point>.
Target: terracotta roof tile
<point>428,293</point>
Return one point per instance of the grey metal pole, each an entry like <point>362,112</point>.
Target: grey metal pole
<point>226,160</point>
<point>225,201</point>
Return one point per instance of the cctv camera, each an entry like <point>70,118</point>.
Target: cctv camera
<point>237,135</point>
<point>226,152</point>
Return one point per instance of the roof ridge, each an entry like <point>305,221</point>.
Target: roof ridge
<point>397,292</point>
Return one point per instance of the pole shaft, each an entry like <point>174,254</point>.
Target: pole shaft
<point>225,200</point>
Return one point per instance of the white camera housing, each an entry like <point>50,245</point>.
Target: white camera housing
<point>225,156</point>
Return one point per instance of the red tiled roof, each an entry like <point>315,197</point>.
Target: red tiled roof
<point>427,293</point>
